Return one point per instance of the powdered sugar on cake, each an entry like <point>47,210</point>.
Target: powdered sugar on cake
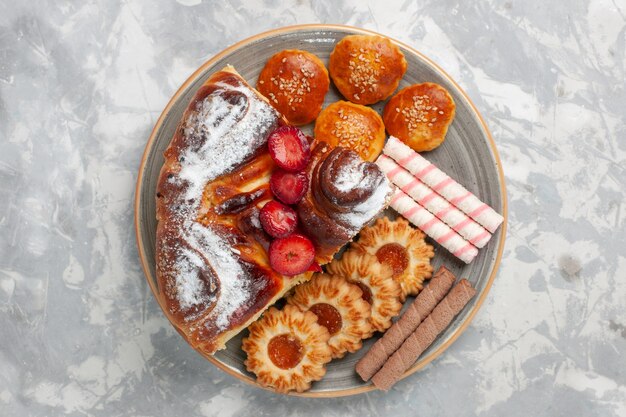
<point>190,289</point>
<point>233,284</point>
<point>353,176</point>
<point>227,133</point>
<point>225,129</point>
<point>365,211</point>
<point>348,177</point>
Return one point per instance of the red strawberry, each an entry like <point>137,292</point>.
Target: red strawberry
<point>291,255</point>
<point>289,148</point>
<point>277,219</point>
<point>315,267</point>
<point>289,187</point>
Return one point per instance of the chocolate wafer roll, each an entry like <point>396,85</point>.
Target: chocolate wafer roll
<point>424,303</point>
<point>424,335</point>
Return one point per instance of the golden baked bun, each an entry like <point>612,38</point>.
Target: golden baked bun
<point>351,126</point>
<point>419,115</point>
<point>295,82</point>
<point>366,68</point>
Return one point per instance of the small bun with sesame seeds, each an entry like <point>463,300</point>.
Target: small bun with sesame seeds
<point>351,126</point>
<point>365,68</point>
<point>419,115</point>
<point>295,83</point>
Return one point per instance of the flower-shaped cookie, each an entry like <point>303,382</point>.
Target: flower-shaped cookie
<point>339,307</point>
<point>403,248</point>
<point>287,349</point>
<point>379,288</point>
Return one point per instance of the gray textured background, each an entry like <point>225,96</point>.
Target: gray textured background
<point>81,85</point>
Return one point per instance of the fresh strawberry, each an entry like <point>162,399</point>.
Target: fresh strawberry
<point>289,148</point>
<point>289,187</point>
<point>315,267</point>
<point>291,255</point>
<point>277,219</point>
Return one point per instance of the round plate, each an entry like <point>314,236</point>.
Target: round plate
<point>468,155</point>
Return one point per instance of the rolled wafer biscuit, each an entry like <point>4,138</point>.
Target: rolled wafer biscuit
<point>421,307</point>
<point>433,202</point>
<point>433,227</point>
<point>424,335</point>
<point>436,179</point>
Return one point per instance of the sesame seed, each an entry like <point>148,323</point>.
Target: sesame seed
<point>420,112</point>
<point>352,132</point>
<point>284,60</point>
<point>261,82</point>
<point>291,89</point>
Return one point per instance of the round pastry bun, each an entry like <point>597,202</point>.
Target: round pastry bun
<point>366,68</point>
<point>419,115</point>
<point>351,126</point>
<point>295,83</point>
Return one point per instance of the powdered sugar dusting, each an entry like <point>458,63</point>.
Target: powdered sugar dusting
<point>228,132</point>
<point>191,289</point>
<point>233,289</point>
<point>226,128</point>
<point>365,211</point>
<point>349,177</point>
<point>354,176</point>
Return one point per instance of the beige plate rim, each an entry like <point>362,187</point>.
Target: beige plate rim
<point>289,29</point>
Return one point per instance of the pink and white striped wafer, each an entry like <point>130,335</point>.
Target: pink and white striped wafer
<point>436,179</point>
<point>433,202</point>
<point>433,227</point>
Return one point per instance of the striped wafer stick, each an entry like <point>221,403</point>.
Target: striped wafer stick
<point>433,227</point>
<point>433,202</point>
<point>436,179</point>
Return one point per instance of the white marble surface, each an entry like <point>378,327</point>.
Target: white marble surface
<point>83,82</point>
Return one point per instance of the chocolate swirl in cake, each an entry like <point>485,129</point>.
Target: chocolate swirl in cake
<point>208,285</point>
<point>345,193</point>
